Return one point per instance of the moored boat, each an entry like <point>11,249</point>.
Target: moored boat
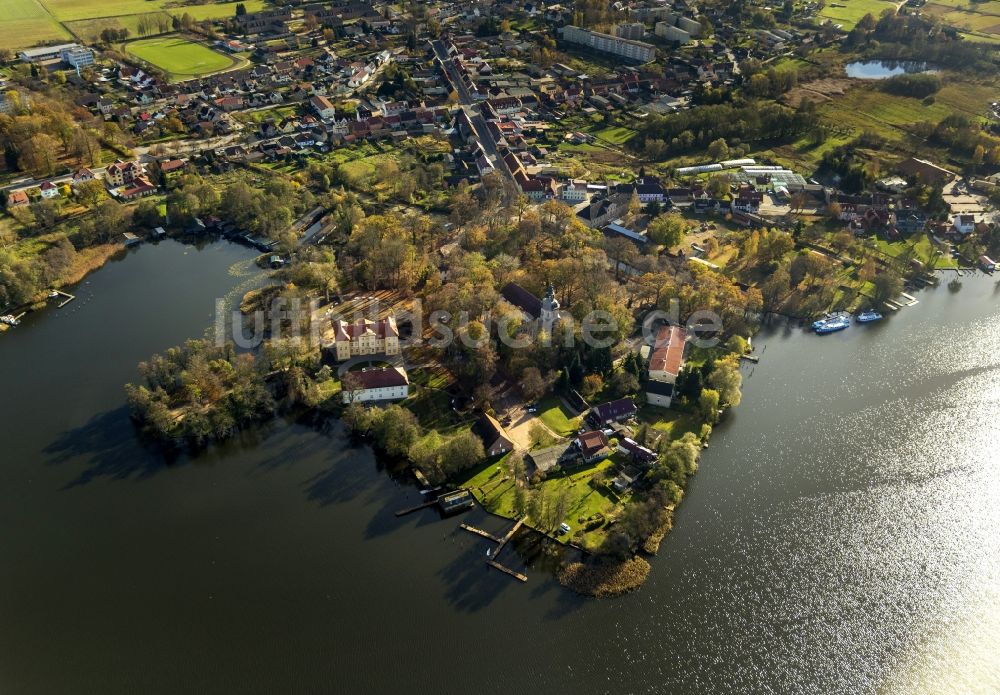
<point>869,316</point>
<point>832,324</point>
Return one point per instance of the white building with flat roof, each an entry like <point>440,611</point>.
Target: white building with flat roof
<point>606,43</point>
<point>77,56</point>
<point>36,55</point>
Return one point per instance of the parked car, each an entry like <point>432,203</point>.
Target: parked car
<point>564,528</point>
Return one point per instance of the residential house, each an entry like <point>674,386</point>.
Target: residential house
<point>123,173</point>
<point>613,411</point>
<point>82,175</point>
<point>17,198</point>
<point>378,384</point>
<point>963,224</point>
<point>665,362</point>
<point>172,166</point>
<point>575,191</point>
<point>139,188</point>
<point>496,441</point>
<point>647,188</point>
<point>324,108</point>
<point>748,200</point>
<point>593,446</point>
<point>635,451</point>
<point>49,190</point>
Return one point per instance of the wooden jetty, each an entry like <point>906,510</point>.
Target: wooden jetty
<point>750,358</point>
<point>410,510</point>
<point>507,570</point>
<point>910,299</point>
<point>480,532</point>
<point>501,542</point>
<point>69,298</point>
<point>510,534</point>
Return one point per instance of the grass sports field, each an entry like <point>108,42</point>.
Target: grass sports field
<point>180,57</point>
<point>848,12</point>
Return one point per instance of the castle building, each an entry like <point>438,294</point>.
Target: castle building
<point>364,337</point>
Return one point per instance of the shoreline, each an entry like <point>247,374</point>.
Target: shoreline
<point>87,261</point>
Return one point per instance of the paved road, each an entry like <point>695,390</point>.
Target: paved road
<point>468,105</point>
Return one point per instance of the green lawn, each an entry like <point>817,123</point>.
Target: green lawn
<point>490,485</point>
<point>922,247</point>
<point>616,135</point>
<point>180,57</point>
<point>672,422</point>
<point>853,10</point>
<point>557,417</point>
<point>24,23</point>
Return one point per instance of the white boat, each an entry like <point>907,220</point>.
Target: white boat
<point>869,316</point>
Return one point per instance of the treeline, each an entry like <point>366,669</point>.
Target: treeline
<point>267,208</point>
<point>920,38</point>
<point>199,392</point>
<point>42,136</point>
<point>963,134</point>
<point>397,432</point>
<point>696,128</point>
<point>917,85</point>
<point>22,279</point>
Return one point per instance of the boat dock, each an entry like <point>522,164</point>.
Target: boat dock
<point>479,532</point>
<point>501,542</point>
<point>68,297</point>
<point>750,358</point>
<point>507,570</point>
<point>410,510</point>
<point>510,534</point>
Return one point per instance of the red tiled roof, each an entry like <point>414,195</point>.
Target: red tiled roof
<point>668,350</point>
<point>592,442</point>
<point>381,377</point>
<point>381,329</point>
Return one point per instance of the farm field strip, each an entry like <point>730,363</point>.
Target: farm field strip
<point>26,22</point>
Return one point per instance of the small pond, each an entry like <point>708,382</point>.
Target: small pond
<point>882,69</point>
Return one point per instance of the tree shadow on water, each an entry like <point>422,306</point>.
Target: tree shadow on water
<point>471,584</point>
<point>108,447</point>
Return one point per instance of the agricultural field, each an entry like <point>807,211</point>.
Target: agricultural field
<point>179,57</point>
<point>848,12</point>
<point>976,17</point>
<point>89,30</point>
<point>25,23</point>
<point>859,106</point>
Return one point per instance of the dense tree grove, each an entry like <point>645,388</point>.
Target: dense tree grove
<point>920,37</point>
<point>917,85</point>
<point>198,392</point>
<point>21,279</point>
<point>396,431</point>
<point>43,136</point>
<point>696,128</point>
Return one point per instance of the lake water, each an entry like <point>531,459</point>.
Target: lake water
<point>883,69</point>
<point>842,535</point>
